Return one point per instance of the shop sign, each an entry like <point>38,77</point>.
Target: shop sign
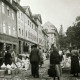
<point>8,38</point>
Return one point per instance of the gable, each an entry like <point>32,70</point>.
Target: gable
<point>28,11</point>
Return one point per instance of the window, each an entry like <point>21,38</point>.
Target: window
<point>4,27</point>
<point>14,31</point>
<point>8,11</point>
<point>12,15</point>
<point>3,7</point>
<point>19,31</point>
<point>9,30</point>
<point>32,26</point>
<point>18,14</point>
<point>28,22</point>
<point>22,32</point>
<point>26,33</point>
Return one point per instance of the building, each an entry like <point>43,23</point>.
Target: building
<point>19,28</point>
<point>38,20</point>
<point>45,40</point>
<point>52,34</point>
<point>27,28</point>
<point>8,26</point>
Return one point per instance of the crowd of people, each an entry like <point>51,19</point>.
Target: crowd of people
<point>7,57</point>
<point>59,59</point>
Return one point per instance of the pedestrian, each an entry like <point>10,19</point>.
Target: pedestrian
<point>1,59</point>
<point>55,61</point>
<point>35,60</point>
<point>41,56</point>
<point>74,61</point>
<point>8,58</point>
<point>13,55</point>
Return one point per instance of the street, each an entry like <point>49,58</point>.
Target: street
<point>44,76</point>
<point>26,75</point>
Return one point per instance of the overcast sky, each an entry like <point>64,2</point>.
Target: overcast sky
<point>56,11</point>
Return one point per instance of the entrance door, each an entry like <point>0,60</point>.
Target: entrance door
<point>1,46</point>
<point>19,47</point>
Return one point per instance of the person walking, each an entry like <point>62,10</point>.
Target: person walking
<point>8,58</point>
<point>35,60</point>
<point>55,61</point>
<point>41,56</point>
<point>74,61</point>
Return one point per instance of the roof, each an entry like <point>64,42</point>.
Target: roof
<point>9,4</point>
<point>38,16</point>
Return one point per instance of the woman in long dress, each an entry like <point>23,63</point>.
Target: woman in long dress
<point>55,61</point>
<point>74,62</point>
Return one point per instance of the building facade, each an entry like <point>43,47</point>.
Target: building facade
<point>38,20</point>
<point>19,28</point>
<point>27,28</point>
<point>52,34</point>
<point>45,40</point>
<point>8,26</point>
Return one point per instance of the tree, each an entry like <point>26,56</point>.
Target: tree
<point>62,38</point>
<point>73,35</point>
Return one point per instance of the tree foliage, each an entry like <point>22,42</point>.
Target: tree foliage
<point>73,33</point>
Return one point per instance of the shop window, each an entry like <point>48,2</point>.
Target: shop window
<point>14,47</point>
<point>3,11</point>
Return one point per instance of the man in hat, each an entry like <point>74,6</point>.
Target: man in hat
<point>35,60</point>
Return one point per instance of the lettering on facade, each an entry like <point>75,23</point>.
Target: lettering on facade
<point>8,38</point>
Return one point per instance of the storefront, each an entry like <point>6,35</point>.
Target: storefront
<point>8,43</point>
<point>24,45</point>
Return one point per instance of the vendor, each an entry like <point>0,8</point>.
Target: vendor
<point>8,58</point>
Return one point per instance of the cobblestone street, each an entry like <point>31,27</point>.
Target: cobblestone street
<point>44,76</point>
<point>26,75</point>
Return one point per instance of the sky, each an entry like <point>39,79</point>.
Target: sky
<point>58,12</point>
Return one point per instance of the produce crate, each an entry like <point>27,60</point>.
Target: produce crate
<point>2,73</point>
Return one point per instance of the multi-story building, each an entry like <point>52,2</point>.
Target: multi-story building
<point>8,26</point>
<point>45,40</point>
<point>38,20</point>
<point>19,28</point>
<point>52,33</point>
<point>27,27</point>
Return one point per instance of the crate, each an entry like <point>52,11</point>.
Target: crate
<point>2,73</point>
